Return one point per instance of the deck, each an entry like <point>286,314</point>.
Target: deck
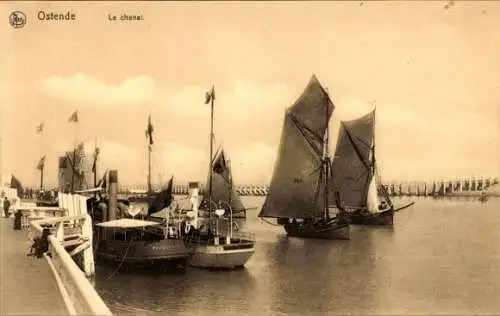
<point>27,284</point>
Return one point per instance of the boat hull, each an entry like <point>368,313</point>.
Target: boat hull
<point>226,256</point>
<point>385,218</point>
<point>161,252</point>
<point>331,231</point>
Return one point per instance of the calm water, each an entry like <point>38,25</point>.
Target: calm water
<point>442,256</point>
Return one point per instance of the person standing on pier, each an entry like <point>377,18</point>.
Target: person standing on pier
<point>6,206</point>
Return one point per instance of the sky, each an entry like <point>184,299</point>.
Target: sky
<point>432,72</point>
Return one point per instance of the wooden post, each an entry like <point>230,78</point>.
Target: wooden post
<point>41,177</point>
<point>60,232</point>
<point>88,253</point>
<point>113,186</point>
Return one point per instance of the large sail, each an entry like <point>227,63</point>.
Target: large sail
<point>297,185</point>
<point>221,187</point>
<point>352,169</point>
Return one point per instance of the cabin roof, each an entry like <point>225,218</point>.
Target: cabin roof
<point>127,223</point>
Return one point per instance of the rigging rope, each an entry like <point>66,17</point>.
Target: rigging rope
<point>268,222</point>
<point>97,244</point>
<point>121,262</point>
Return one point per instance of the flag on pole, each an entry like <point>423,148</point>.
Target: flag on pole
<point>41,163</point>
<point>149,131</point>
<point>73,117</point>
<point>96,154</point>
<point>221,167</point>
<point>103,182</point>
<point>163,199</point>
<point>79,163</point>
<point>210,95</point>
<point>16,184</point>
<point>39,128</point>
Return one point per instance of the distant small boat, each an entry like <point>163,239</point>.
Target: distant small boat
<point>483,198</point>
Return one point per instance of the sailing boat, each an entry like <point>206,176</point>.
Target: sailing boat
<point>298,194</point>
<point>356,177</point>
<point>222,191</point>
<point>218,250</point>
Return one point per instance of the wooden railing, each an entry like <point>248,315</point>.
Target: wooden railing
<point>79,295</point>
<point>74,230</point>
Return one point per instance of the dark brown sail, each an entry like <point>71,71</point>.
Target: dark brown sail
<point>163,199</point>
<point>221,186</point>
<point>352,164</point>
<point>297,184</point>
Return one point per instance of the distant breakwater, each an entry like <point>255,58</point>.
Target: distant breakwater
<point>460,187</point>
<point>468,187</point>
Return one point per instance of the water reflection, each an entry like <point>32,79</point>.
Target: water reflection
<point>335,276</point>
<point>442,256</point>
<point>199,291</point>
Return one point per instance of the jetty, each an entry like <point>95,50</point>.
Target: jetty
<point>460,187</point>
<point>59,281</point>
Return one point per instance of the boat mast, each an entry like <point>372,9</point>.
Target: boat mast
<point>374,166</point>
<point>150,148</point>
<point>211,156</point>
<point>95,163</point>
<point>73,166</point>
<point>229,200</point>
<point>373,144</point>
<point>149,170</point>
<point>326,168</point>
<point>41,165</point>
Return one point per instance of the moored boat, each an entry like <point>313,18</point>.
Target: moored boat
<point>133,241</point>
<point>123,240</point>
<point>213,248</point>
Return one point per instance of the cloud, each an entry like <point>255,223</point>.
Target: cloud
<point>236,101</point>
<point>84,89</point>
<point>248,121</point>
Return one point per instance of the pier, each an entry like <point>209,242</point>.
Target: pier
<point>59,282</point>
<point>459,187</point>
<point>28,286</point>
<point>454,188</point>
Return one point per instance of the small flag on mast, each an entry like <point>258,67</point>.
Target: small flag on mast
<point>73,117</point>
<point>220,166</point>
<point>96,155</point>
<point>39,128</point>
<point>16,184</point>
<point>210,96</point>
<point>163,199</point>
<point>149,131</point>
<point>41,163</point>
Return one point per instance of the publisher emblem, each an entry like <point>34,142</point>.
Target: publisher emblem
<point>17,19</point>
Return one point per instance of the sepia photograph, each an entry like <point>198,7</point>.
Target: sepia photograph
<point>250,158</point>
